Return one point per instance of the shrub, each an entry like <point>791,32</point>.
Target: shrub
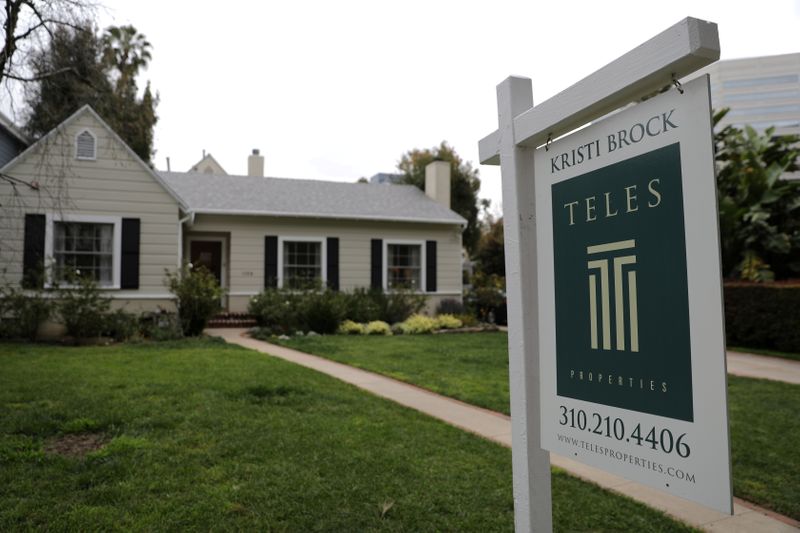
<point>448,322</point>
<point>121,325</point>
<point>160,326</point>
<point>762,315</point>
<point>277,309</point>
<point>82,307</point>
<point>21,312</point>
<point>348,327</point>
<point>398,306</point>
<point>418,324</point>
<point>467,320</point>
<point>321,311</point>
<point>363,305</point>
<point>378,327</point>
<point>198,295</point>
<point>450,306</point>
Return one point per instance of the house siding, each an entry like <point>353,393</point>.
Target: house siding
<point>113,184</point>
<point>245,245</point>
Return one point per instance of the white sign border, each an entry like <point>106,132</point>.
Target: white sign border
<point>709,461</point>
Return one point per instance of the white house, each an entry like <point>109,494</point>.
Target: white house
<point>91,203</point>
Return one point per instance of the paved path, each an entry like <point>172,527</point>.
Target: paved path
<point>761,366</point>
<point>497,427</point>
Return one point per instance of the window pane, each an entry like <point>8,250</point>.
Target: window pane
<point>302,263</point>
<point>84,249</point>
<point>403,265</point>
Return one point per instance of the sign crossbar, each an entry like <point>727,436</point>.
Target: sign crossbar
<point>674,53</point>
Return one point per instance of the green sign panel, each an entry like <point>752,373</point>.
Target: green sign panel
<point>622,305</point>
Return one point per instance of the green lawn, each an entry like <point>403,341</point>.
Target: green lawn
<point>474,369</point>
<point>207,436</point>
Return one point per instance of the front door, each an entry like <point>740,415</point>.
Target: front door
<point>209,255</point>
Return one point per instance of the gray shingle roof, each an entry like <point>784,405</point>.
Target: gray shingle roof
<point>205,193</point>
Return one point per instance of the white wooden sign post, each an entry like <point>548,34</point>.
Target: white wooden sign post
<point>539,292</point>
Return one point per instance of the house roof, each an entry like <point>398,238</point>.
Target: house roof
<point>246,195</point>
<point>13,130</point>
<point>87,109</point>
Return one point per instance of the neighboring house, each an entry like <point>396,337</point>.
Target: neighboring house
<point>12,140</point>
<point>208,165</point>
<point>125,224</point>
<point>386,178</point>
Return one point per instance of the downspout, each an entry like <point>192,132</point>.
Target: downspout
<point>188,218</point>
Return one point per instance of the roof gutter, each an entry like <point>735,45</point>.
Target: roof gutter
<point>462,222</point>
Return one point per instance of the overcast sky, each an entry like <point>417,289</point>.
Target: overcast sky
<point>341,89</point>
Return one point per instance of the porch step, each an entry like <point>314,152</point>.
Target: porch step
<point>232,320</point>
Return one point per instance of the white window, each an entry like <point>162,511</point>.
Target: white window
<point>302,262</point>
<point>84,246</point>
<point>85,145</point>
<point>404,262</point>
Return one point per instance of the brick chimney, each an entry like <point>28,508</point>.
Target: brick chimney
<point>255,164</point>
<point>437,182</point>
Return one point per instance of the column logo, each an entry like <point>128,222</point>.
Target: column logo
<point>602,317</point>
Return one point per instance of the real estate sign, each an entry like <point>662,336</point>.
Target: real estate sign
<point>632,350</point>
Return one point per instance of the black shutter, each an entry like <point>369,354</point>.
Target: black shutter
<point>333,263</point>
<point>430,266</point>
<point>271,261</point>
<point>129,270</point>
<point>33,254</point>
<point>376,277</point>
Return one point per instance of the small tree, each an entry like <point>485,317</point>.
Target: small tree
<point>198,297</point>
<point>759,212</point>
<point>490,257</point>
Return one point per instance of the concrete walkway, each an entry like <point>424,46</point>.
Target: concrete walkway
<point>765,367</point>
<point>497,427</point>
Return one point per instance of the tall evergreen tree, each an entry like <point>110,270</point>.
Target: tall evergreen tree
<point>99,70</point>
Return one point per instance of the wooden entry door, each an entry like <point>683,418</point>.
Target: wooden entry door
<point>209,255</point>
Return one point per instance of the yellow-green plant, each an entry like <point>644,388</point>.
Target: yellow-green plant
<point>447,321</point>
<point>378,327</point>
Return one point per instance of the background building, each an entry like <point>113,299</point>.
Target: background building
<point>760,92</point>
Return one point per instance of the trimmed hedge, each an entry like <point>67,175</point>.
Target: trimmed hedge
<point>759,315</point>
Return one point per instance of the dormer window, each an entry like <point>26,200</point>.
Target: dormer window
<point>85,146</point>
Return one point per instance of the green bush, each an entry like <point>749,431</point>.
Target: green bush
<point>160,326</point>
<point>82,307</point>
<point>378,327</point>
<point>448,322</point>
<point>418,324</point>
<point>121,325</point>
<point>763,315</point>
<point>322,311</point>
<point>278,310</point>
<point>198,295</point>
<point>348,327</point>
<point>22,312</point>
<point>450,306</point>
<point>398,306</point>
<point>363,305</point>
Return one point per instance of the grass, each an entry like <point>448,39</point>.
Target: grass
<point>473,368</point>
<point>207,436</point>
<point>770,353</point>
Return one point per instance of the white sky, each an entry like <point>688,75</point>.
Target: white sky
<point>341,89</point>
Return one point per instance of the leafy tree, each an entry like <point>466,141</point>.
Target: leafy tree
<point>98,70</point>
<point>464,184</point>
<point>490,254</point>
<point>759,212</point>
